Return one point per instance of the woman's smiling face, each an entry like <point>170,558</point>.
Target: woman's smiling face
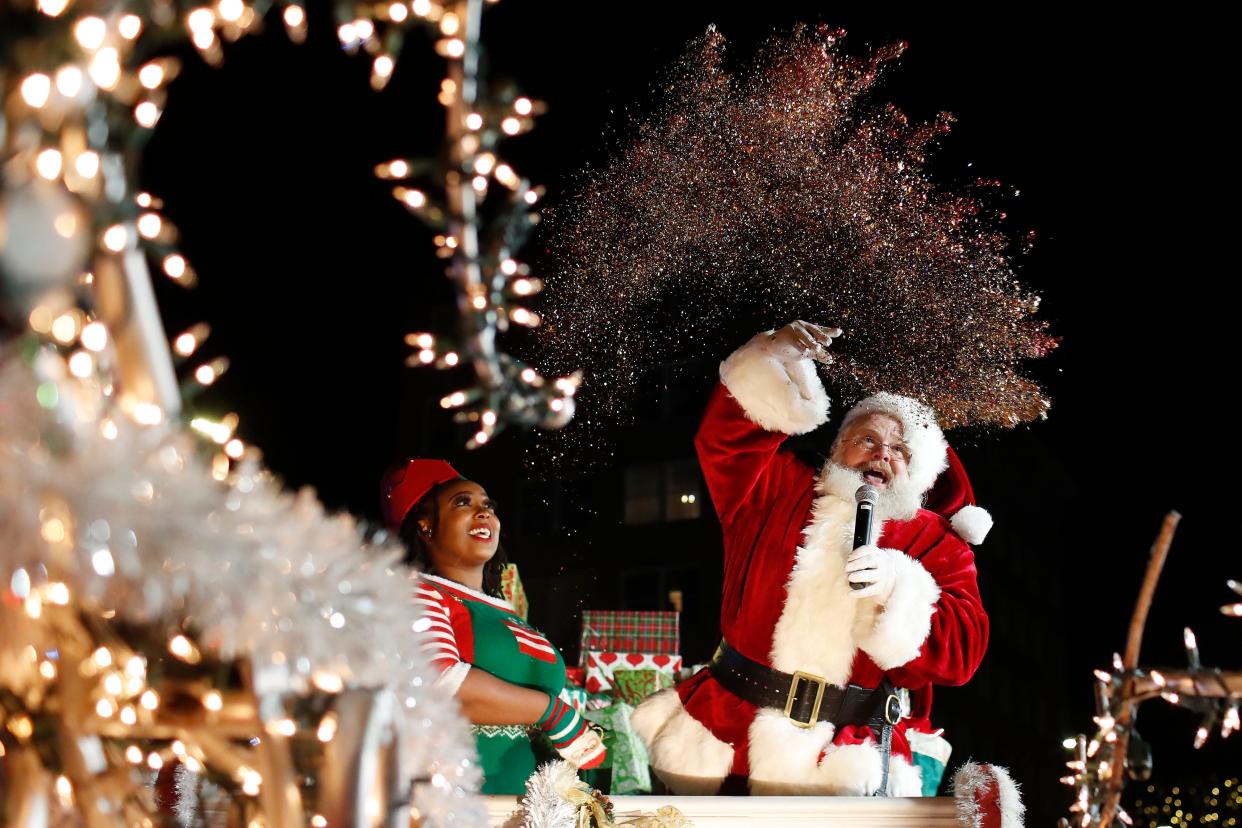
<point>467,531</point>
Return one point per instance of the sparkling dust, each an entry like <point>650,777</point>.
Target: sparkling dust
<point>755,194</point>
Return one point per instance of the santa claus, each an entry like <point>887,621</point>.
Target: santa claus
<point>824,677</point>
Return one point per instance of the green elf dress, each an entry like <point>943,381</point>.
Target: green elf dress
<point>466,629</point>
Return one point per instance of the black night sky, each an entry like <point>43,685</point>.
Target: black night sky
<point>1110,124</point>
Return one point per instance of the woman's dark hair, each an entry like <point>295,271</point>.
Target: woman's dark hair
<point>417,554</point>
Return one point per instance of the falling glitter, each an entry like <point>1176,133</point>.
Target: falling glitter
<point>781,190</point>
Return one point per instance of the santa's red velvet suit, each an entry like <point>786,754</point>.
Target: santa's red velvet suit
<point>787,603</point>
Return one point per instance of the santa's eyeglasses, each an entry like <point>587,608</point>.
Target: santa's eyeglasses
<point>871,445</point>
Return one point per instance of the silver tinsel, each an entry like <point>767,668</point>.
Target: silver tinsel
<point>545,804</point>
<point>140,529</point>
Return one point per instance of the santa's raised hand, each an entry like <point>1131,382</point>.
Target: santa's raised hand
<point>800,339</point>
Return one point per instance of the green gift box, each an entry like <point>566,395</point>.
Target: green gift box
<point>626,752</point>
<point>930,752</point>
<point>632,686</point>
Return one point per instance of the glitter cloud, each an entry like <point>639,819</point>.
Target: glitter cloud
<point>778,190</point>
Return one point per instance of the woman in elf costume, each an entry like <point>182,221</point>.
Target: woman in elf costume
<point>507,676</point>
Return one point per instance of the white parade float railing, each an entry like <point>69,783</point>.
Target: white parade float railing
<point>733,811</point>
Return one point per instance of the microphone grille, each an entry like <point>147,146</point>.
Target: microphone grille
<point>867,494</point>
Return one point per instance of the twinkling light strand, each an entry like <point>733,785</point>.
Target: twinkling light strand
<point>1099,765</point>
<point>106,141</point>
<point>491,285</point>
<point>101,490</point>
<point>1096,762</point>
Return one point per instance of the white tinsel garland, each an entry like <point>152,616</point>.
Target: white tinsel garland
<point>545,804</point>
<point>200,804</point>
<point>132,521</point>
<point>556,798</point>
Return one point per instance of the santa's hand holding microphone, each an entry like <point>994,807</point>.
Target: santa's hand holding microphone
<point>872,572</point>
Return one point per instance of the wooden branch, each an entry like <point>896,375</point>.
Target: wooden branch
<point>1190,684</point>
<point>1138,622</point>
<point>1155,564</point>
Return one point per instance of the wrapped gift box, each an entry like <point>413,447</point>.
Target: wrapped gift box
<point>632,686</point>
<point>511,589</point>
<point>627,755</point>
<point>600,666</point>
<point>578,697</point>
<point>930,752</point>
<point>625,631</point>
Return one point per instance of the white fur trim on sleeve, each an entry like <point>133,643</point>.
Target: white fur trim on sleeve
<point>778,389</point>
<point>902,627</point>
<point>972,524</point>
<point>452,678</point>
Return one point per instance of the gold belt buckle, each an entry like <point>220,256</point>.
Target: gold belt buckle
<point>819,697</point>
<point>892,709</point>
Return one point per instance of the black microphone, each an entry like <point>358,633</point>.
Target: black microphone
<point>867,497</point>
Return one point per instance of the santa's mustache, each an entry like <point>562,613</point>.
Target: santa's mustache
<point>876,466</point>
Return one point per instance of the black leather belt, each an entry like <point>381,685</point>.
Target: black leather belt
<point>805,698</point>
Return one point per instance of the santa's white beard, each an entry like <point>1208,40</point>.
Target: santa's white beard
<point>898,500</point>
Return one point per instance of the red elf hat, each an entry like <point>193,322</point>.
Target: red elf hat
<point>405,485</point>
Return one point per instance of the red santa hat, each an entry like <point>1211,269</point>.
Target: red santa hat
<point>953,497</point>
<point>403,486</point>
<point>934,467</point>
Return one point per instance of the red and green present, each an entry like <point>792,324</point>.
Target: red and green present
<point>629,631</point>
<point>575,685</point>
<point>602,666</point>
<point>632,686</point>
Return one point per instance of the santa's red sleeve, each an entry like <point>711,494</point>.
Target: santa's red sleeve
<point>447,634</point>
<point>766,393</point>
<point>933,628</point>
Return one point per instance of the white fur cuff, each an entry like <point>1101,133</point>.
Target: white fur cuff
<point>777,388</point>
<point>452,678</point>
<point>790,761</point>
<point>972,524</point>
<point>902,627</point>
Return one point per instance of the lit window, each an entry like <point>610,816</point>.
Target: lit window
<point>662,492</point>
<point>682,498</point>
